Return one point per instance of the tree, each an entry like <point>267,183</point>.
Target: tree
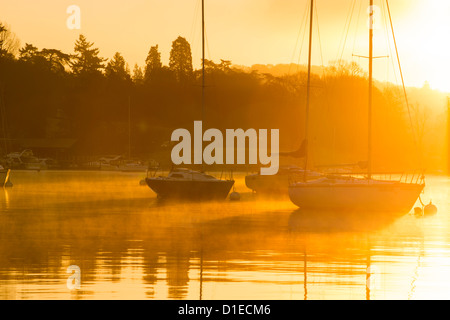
<point>52,59</point>
<point>2,29</point>
<point>9,43</point>
<point>210,65</point>
<point>117,68</point>
<point>29,53</point>
<point>224,66</point>
<point>344,68</point>
<point>87,60</point>
<point>153,64</point>
<point>181,60</point>
<point>56,59</point>
<point>138,75</point>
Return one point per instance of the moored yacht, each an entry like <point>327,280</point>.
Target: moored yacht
<point>342,193</point>
<point>188,184</point>
<point>345,193</point>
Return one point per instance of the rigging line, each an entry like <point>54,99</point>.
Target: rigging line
<point>403,84</point>
<point>389,44</point>
<point>3,115</point>
<point>321,57</point>
<point>303,37</point>
<point>387,41</point>
<point>308,91</point>
<point>203,64</point>
<point>318,37</point>
<point>325,87</point>
<point>348,22</point>
<point>348,31</point>
<point>298,37</point>
<point>207,44</point>
<point>193,33</point>
<point>345,27</point>
<point>356,28</point>
<point>211,75</point>
<point>300,52</point>
<point>385,85</point>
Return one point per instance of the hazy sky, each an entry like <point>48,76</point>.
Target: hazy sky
<point>245,31</point>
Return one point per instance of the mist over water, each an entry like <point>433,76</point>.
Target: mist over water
<point>129,246</point>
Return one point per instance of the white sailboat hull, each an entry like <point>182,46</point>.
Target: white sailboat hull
<point>371,196</point>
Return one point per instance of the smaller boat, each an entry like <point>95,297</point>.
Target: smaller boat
<point>24,160</point>
<point>137,165</point>
<point>278,184</point>
<point>120,163</point>
<point>189,184</point>
<point>133,166</point>
<point>109,163</point>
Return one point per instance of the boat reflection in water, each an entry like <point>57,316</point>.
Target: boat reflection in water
<point>303,220</point>
<point>334,224</point>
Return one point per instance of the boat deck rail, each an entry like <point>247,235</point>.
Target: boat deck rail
<point>401,177</point>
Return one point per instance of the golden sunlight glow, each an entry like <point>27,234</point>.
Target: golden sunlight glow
<point>270,159</point>
<point>249,32</point>
<point>432,29</point>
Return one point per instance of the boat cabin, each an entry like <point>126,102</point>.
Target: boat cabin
<point>187,174</point>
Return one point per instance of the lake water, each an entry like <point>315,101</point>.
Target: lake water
<point>127,246</point>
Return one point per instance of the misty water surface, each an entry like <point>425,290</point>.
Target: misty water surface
<point>128,246</point>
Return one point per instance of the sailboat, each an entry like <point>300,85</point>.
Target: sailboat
<point>346,193</point>
<point>279,183</point>
<point>182,183</point>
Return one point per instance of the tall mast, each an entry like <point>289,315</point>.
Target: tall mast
<point>129,127</point>
<point>3,116</point>
<point>203,66</point>
<point>203,59</point>
<point>369,156</point>
<point>308,88</point>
